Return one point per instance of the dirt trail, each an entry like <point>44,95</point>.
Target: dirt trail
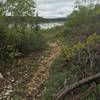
<point>41,75</point>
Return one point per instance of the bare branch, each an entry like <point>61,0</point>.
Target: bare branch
<point>63,92</point>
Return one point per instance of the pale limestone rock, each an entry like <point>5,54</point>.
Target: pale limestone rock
<point>1,76</point>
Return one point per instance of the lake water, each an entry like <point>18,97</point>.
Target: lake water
<point>51,25</point>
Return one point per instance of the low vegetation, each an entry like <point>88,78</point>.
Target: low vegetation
<point>22,48</point>
<point>80,58</point>
<point>18,40</point>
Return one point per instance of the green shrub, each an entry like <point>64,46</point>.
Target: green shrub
<point>82,23</point>
<point>7,50</point>
<point>28,42</point>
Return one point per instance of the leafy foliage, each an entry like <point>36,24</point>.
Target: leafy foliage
<point>7,50</point>
<point>80,50</point>
<point>81,47</point>
<point>82,23</point>
<point>71,51</point>
<point>19,8</point>
<point>28,42</point>
<point>19,38</point>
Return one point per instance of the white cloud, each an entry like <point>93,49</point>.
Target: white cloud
<point>54,8</point>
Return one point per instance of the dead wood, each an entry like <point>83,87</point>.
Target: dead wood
<point>64,91</point>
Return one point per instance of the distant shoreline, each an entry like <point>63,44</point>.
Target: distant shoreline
<point>31,20</point>
<point>50,20</point>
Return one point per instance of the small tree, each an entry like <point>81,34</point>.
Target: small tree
<point>19,9</point>
<point>86,3</point>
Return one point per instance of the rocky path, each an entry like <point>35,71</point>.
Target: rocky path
<point>35,85</point>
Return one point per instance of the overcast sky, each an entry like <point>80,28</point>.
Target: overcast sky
<point>54,8</point>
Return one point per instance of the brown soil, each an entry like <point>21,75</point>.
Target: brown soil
<point>35,86</point>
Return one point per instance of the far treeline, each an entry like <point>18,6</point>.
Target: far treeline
<point>31,20</point>
<point>21,19</point>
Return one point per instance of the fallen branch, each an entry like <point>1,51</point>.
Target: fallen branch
<point>63,92</point>
<point>90,90</point>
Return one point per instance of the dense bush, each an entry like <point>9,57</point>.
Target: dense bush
<point>81,48</point>
<point>83,58</point>
<point>7,50</point>
<point>82,23</point>
<point>13,43</point>
<point>28,42</point>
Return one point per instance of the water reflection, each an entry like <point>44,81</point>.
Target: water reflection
<point>50,25</point>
